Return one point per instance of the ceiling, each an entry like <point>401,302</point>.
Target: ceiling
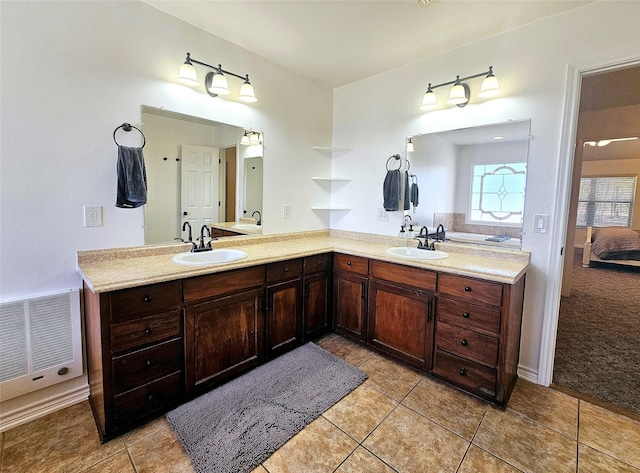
<point>337,42</point>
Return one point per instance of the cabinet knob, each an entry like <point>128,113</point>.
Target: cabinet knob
<point>286,270</point>
<point>148,331</point>
<point>463,371</point>
<point>348,263</point>
<point>150,363</point>
<point>464,343</point>
<point>147,299</point>
<point>467,289</point>
<point>465,315</point>
<point>319,262</point>
<point>151,397</point>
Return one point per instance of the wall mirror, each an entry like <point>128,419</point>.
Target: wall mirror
<point>199,172</point>
<point>472,181</point>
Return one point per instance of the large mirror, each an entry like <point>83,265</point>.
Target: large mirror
<point>472,181</point>
<point>201,172</point>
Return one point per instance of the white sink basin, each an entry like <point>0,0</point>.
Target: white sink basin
<point>417,254</point>
<point>202,258</point>
<point>246,226</point>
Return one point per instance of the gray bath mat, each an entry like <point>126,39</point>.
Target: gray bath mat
<point>240,424</point>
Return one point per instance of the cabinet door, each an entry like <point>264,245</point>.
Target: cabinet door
<point>401,322</point>
<point>223,337</point>
<point>316,311</point>
<point>284,316</point>
<point>350,304</point>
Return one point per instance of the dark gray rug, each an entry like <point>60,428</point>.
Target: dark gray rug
<point>240,424</point>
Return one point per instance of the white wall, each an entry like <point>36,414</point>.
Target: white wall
<point>531,63</point>
<point>74,71</point>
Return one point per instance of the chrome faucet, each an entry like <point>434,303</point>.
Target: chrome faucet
<point>259,222</point>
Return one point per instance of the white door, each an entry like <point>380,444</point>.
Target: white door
<point>199,187</point>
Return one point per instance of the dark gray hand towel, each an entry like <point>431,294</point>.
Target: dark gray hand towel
<point>391,190</point>
<point>132,178</point>
<point>414,194</point>
<point>407,197</point>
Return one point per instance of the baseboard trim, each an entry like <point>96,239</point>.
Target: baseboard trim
<point>528,374</point>
<point>42,408</point>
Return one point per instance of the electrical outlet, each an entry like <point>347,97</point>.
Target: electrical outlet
<point>92,216</point>
<point>286,211</point>
<point>383,215</point>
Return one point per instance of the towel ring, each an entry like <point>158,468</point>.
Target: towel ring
<point>396,157</point>
<point>127,127</point>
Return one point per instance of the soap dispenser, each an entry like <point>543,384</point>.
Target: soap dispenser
<point>410,233</point>
<point>402,237</point>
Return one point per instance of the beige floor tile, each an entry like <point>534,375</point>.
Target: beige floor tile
<point>71,449</point>
<point>525,444</point>
<point>318,448</point>
<point>343,348</point>
<point>389,377</point>
<point>593,461</point>
<point>118,463</point>
<point>408,442</point>
<point>260,469</point>
<point>479,461</point>
<point>360,412</point>
<point>610,433</point>
<point>364,461</point>
<point>446,406</point>
<point>547,406</point>
<point>160,451</point>
<point>144,430</point>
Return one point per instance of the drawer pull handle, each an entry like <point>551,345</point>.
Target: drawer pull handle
<point>148,331</point>
<point>465,315</point>
<point>151,397</point>
<point>464,343</point>
<point>467,289</point>
<point>147,299</point>
<point>150,363</point>
<point>463,371</point>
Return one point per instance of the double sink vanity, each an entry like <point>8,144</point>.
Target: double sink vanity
<point>160,332</point>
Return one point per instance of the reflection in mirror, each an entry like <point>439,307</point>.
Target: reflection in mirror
<point>472,181</point>
<point>196,174</point>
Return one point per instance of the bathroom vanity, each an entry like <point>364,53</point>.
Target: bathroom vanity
<point>159,333</point>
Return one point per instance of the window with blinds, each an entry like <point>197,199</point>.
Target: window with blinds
<point>606,201</point>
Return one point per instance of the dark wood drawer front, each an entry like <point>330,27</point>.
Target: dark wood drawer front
<point>142,366</point>
<point>467,343</point>
<point>228,282</point>
<point>284,270</point>
<point>129,304</point>
<point>147,399</point>
<point>403,275</point>
<point>477,378</point>
<point>352,264</point>
<point>140,332</point>
<point>469,315</point>
<point>317,263</point>
<point>474,290</point>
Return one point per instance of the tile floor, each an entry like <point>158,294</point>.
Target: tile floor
<point>397,421</point>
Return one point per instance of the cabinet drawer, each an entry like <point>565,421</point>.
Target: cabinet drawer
<point>152,397</point>
<point>228,282</point>
<point>476,378</point>
<point>128,304</point>
<point>317,263</point>
<point>403,275</point>
<point>352,264</point>
<point>467,343</point>
<point>142,366</point>
<point>469,315</point>
<point>139,332</point>
<point>480,292</point>
<point>284,270</point>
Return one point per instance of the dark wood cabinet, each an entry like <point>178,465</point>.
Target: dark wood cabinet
<point>401,305</point>
<point>224,326</point>
<point>283,306</point>
<point>316,306</point>
<point>134,340</point>
<point>350,284</point>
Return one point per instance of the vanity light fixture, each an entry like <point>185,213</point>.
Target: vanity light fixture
<point>409,145</point>
<point>215,81</point>
<point>460,92</point>
<point>251,138</point>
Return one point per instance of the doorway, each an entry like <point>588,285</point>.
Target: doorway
<point>590,347</point>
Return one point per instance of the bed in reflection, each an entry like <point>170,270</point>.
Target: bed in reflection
<point>612,245</point>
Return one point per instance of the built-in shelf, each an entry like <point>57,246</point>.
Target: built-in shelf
<point>330,148</point>
<point>331,179</point>
<point>331,207</point>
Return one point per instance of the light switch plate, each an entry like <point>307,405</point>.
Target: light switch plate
<point>286,211</point>
<point>92,216</point>
<point>540,223</point>
<point>383,215</point>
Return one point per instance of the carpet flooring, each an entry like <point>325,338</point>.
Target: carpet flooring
<point>598,341</point>
<point>238,425</point>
